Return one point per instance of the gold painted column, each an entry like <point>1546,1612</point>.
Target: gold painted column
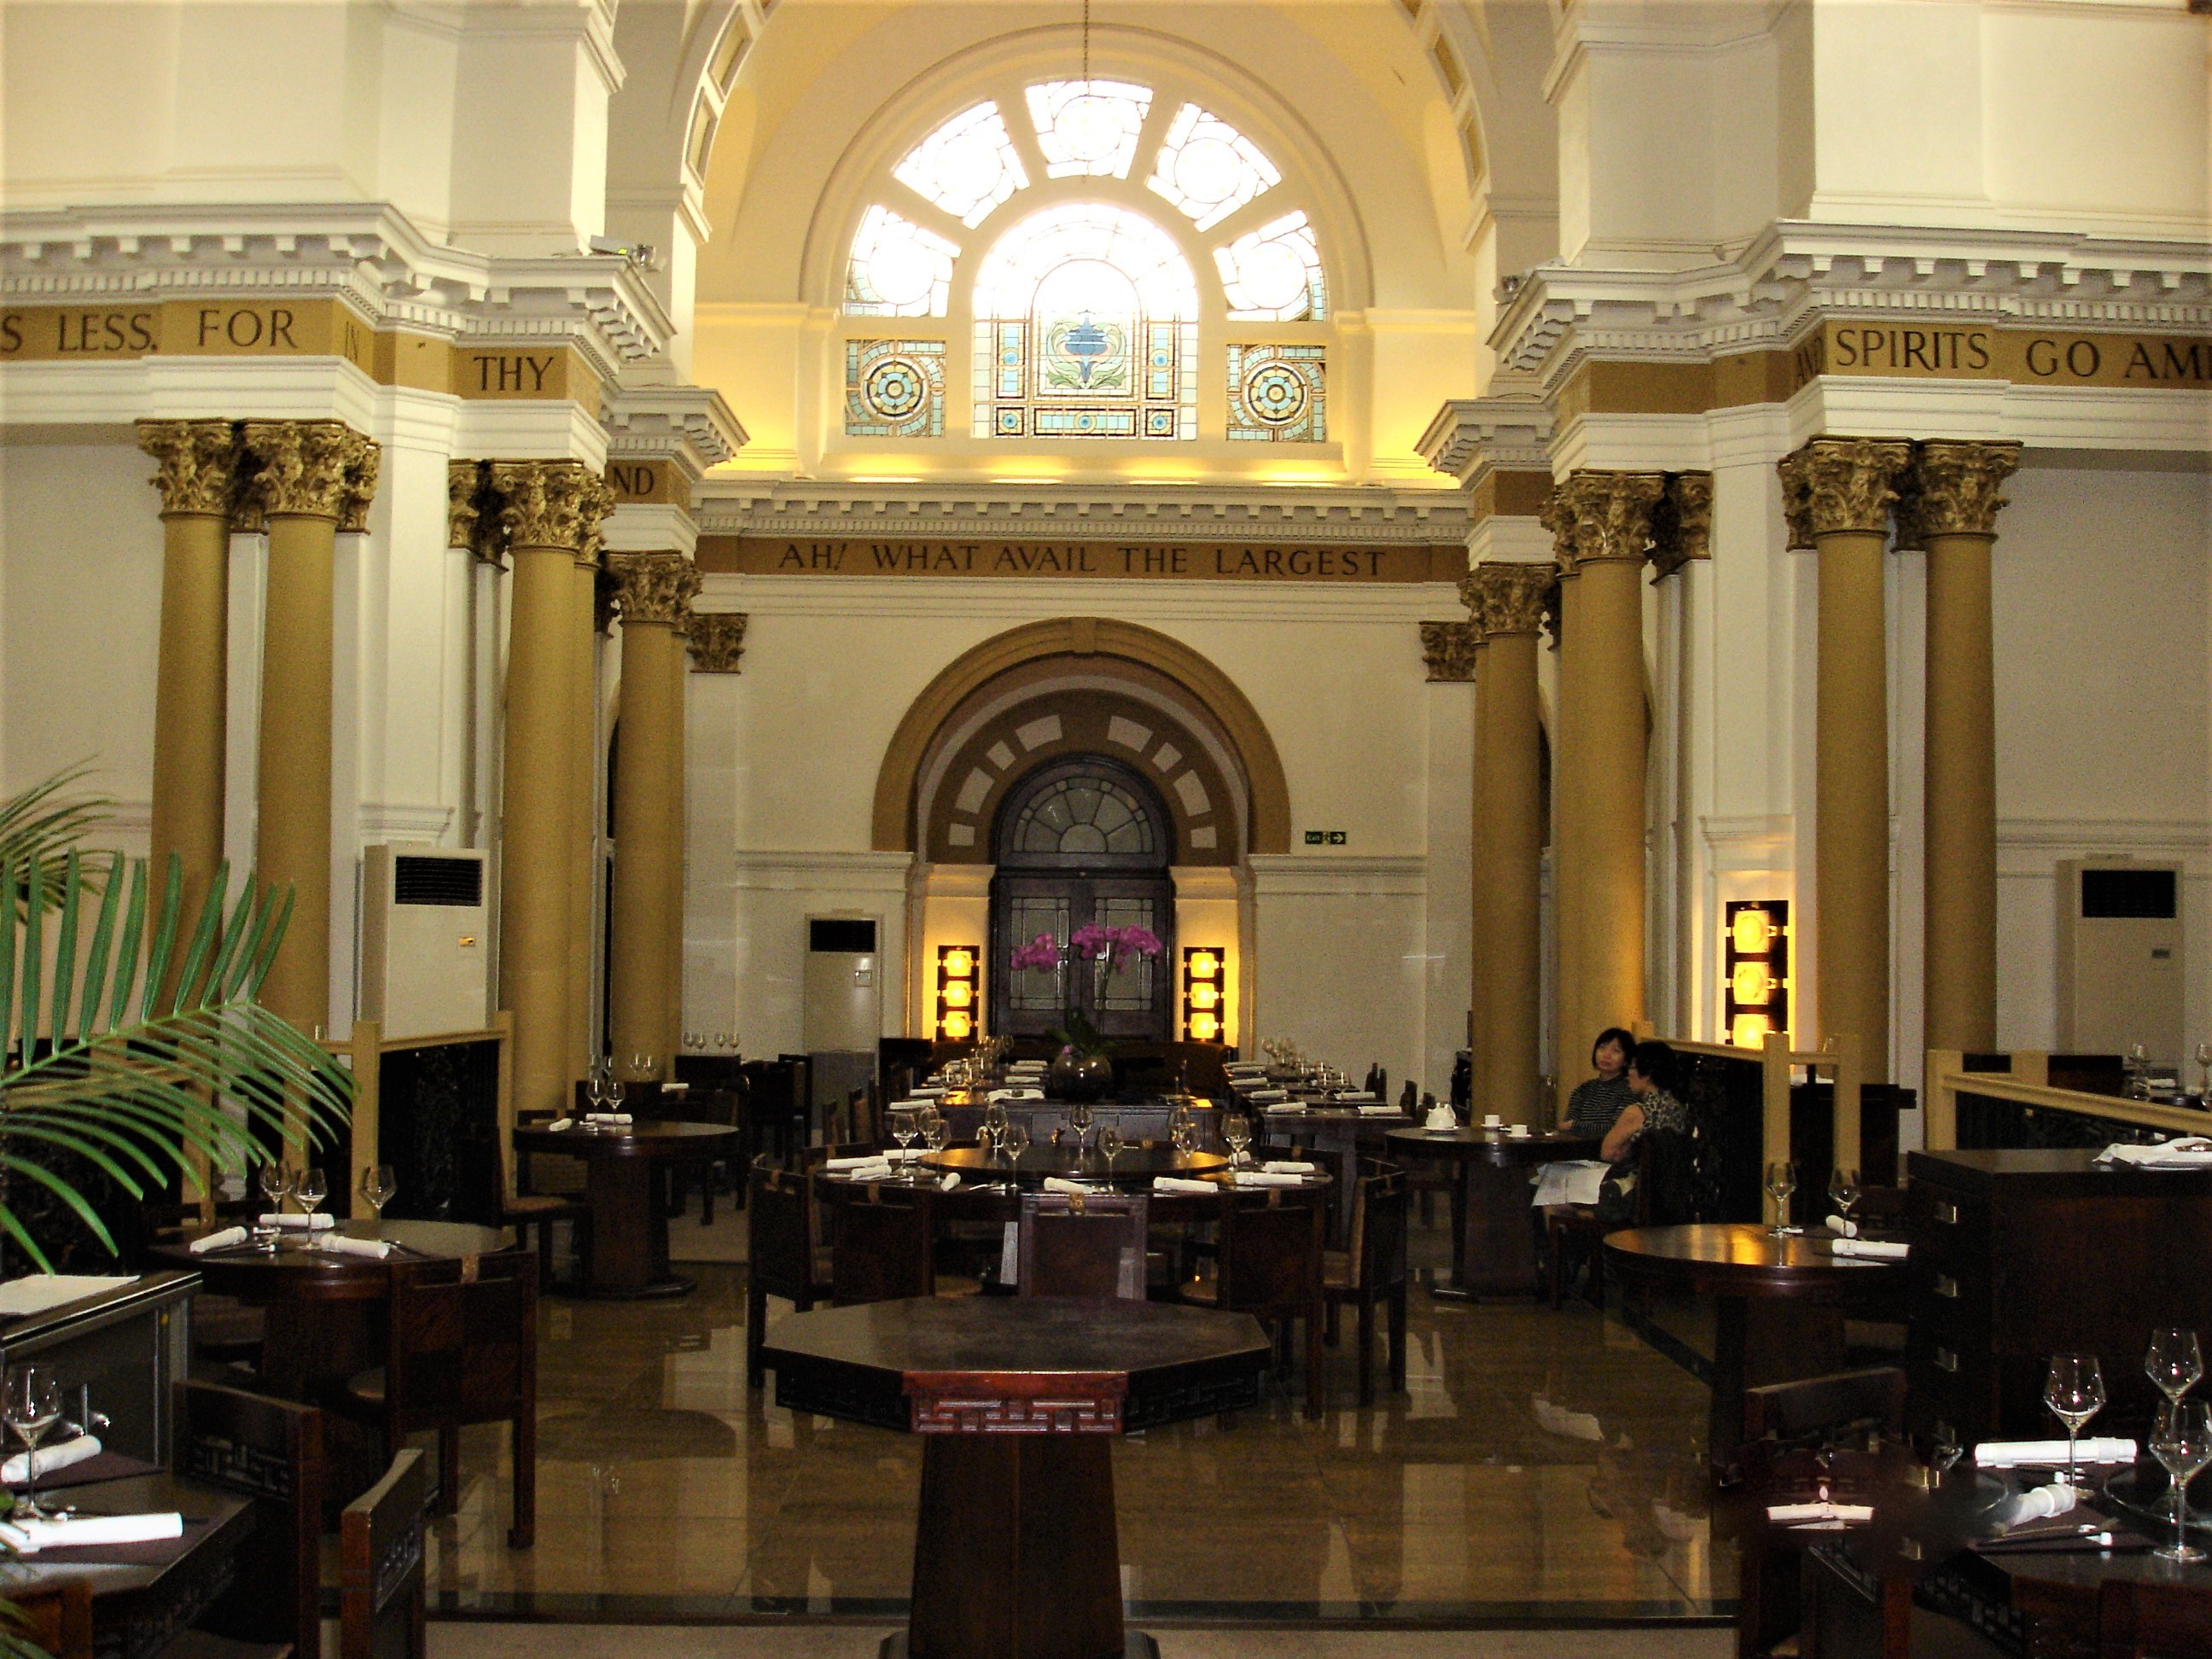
<point>548,510</point>
<point>1452,652</point>
<point>1570,1042</point>
<point>198,461</point>
<point>1954,505</point>
<point>1509,600</point>
<point>1840,490</point>
<point>654,589</point>
<point>585,748</point>
<point>308,475</point>
<point>679,670</point>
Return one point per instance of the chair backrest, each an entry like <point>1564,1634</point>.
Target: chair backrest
<point>381,1579</point>
<point>1379,1204</point>
<point>1270,1253</point>
<point>2137,1619</point>
<point>58,1618</point>
<point>863,1119</point>
<point>269,1450</point>
<point>779,1229</point>
<point>461,1340</point>
<point>1820,1410</point>
<point>881,1248</point>
<point>1666,1180</point>
<point>1082,1245</point>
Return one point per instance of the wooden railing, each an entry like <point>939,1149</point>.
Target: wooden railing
<point>363,1053</point>
<point>2026,1083</point>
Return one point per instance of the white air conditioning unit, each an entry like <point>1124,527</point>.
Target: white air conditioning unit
<point>2120,962</point>
<point>425,939</point>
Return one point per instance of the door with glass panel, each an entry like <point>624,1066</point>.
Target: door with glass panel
<point>1083,839</point>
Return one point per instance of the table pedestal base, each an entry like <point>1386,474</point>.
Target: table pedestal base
<point>1016,1554</point>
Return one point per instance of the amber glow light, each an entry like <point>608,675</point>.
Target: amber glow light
<point>1755,970</point>
<point>1205,976</point>
<point>959,991</point>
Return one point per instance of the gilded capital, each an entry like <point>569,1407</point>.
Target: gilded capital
<point>1682,528</point>
<point>556,504</point>
<point>1449,648</point>
<point>198,461</point>
<point>301,467</point>
<point>364,462</point>
<point>1557,515</point>
<point>1604,515</point>
<point>1847,484</point>
<point>470,518</point>
<point>653,587</point>
<point>718,640</point>
<point>1952,489</point>
<point>599,502</point>
<point>1794,470</point>
<point>1508,598</point>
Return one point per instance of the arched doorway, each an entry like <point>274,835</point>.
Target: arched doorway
<point>1082,839</point>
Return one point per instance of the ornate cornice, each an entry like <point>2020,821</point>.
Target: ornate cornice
<point>1951,489</point>
<point>1471,436</point>
<point>653,587</point>
<point>1448,647</point>
<point>718,640</point>
<point>1843,483</point>
<point>558,504</point>
<point>1684,525</point>
<point>198,461</point>
<point>1595,517</point>
<point>306,469</point>
<point>1508,598</point>
<point>689,425</point>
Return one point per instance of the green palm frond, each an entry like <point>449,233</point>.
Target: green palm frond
<point>40,826</point>
<point>145,1068</point>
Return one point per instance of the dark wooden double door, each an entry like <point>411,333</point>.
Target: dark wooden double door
<point>1135,1003</point>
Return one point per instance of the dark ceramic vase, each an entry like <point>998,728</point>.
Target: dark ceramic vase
<point>1078,1077</point>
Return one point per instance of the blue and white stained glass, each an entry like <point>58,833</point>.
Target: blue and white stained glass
<point>897,269</point>
<point>1209,169</point>
<point>1087,128</point>
<point>894,388</point>
<point>967,167</point>
<point>1273,274</point>
<point>1278,393</point>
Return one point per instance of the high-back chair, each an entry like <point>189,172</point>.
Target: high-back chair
<point>58,1618</point>
<point>460,1347</point>
<point>1821,1411</point>
<point>271,1452</point>
<point>1372,1271</point>
<point>2138,1619</point>
<point>783,1256</point>
<point>381,1599</point>
<point>1269,1265</point>
<point>1083,1244</point>
<point>881,1247</point>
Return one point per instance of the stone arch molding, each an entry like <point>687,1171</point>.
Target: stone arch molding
<point>1232,754</point>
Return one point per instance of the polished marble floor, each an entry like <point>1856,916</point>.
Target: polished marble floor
<point>1544,1467</point>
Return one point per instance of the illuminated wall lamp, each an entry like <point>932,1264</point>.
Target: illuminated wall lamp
<point>957,990</point>
<point>1205,984</point>
<point>1755,969</point>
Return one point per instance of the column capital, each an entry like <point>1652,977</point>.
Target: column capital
<point>364,464</point>
<point>551,504</point>
<point>1684,529</point>
<point>308,469</point>
<point>471,512</point>
<point>1594,517</point>
<point>1951,489</point>
<point>653,587</point>
<point>1508,599</point>
<point>718,640</point>
<point>198,461</point>
<point>1834,485</point>
<point>1449,648</point>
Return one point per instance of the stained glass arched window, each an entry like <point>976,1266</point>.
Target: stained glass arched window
<point>1273,273</point>
<point>967,167</point>
<point>1208,168</point>
<point>897,268</point>
<point>1080,816</point>
<point>1089,126</point>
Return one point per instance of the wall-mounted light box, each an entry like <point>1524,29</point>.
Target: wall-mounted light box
<point>1205,993</point>
<point>1755,969</point>
<point>959,985</point>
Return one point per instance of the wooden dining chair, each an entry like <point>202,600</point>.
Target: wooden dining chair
<point>1371,1271</point>
<point>1563,1222</point>
<point>2140,1619</point>
<point>271,1452</point>
<point>1269,1265</point>
<point>56,1618</point>
<point>381,1585</point>
<point>1082,1244</point>
<point>881,1245</point>
<point>784,1256</point>
<point>1824,1411</point>
<point>460,1347</point>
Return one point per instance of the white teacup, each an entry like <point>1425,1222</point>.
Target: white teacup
<point>1490,1120</point>
<point>1519,1131</point>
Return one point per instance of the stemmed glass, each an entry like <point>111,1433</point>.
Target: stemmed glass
<point>994,1125</point>
<point>2182,1441</point>
<point>1182,1129</point>
<point>1109,1147</point>
<point>2074,1393</point>
<point>312,1187</point>
<point>379,1186</point>
<point>2138,1070</point>
<point>904,1128</point>
<point>1843,1190</point>
<point>1781,1183</point>
<point>275,1183</point>
<point>32,1404</point>
<point>1079,1119</point>
<point>936,1131</point>
<point>2176,1365</point>
<point>1237,1130</point>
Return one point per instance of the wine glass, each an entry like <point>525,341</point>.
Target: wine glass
<point>936,1131</point>
<point>1844,1189</point>
<point>2175,1363</point>
<point>1079,1118</point>
<point>311,1189</point>
<point>903,1130</point>
<point>1781,1183</point>
<point>2074,1393</point>
<point>378,1186</point>
<point>1015,1137</point>
<point>1109,1146</point>
<point>31,1403</point>
<point>2183,1443</point>
<point>1182,1129</point>
<point>1237,1130</point>
<point>2205,1072</point>
<point>275,1183</point>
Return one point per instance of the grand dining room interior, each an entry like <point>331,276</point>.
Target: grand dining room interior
<point>1063,829</point>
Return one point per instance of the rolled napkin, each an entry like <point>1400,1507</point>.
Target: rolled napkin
<point>900,1155</point>
<point>293,1224</point>
<point>1819,1515</point>
<point>1180,1184</point>
<point>2050,1454</point>
<point>1015,1094</point>
<point>676,1088</point>
<point>1267,1094</point>
<point>2182,1152</point>
<point>59,1455</point>
<point>1054,1184</point>
<point>1267,1178</point>
<point>1881,1248</point>
<point>1384,1110</point>
<point>221,1240</point>
<point>2037,1503</point>
<point>875,1169</point>
<point>606,1117</point>
<point>1843,1229</point>
<point>1284,1108</point>
<point>560,1123</point>
<point>1355,1097</point>
<point>859,1163</point>
<point>75,1532</point>
<point>345,1245</point>
<point>1288,1166</point>
<point>949,1183</point>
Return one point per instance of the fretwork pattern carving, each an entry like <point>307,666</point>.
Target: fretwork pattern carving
<point>976,1413</point>
<point>223,1461</point>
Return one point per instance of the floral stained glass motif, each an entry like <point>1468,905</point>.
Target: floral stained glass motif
<point>897,268</point>
<point>1209,169</point>
<point>1278,393</point>
<point>894,388</point>
<point>1084,815</point>
<point>1273,274</point>
<point>967,167</point>
<point>1088,127</point>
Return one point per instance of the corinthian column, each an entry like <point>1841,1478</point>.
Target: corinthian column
<point>655,590</point>
<point>1954,504</point>
<point>1570,1042</point>
<point>548,510</point>
<point>309,474</point>
<point>1507,603</point>
<point>1839,490</point>
<point>679,821</point>
<point>198,461</point>
<point>585,629</point>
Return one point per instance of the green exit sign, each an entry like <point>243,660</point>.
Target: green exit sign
<point>1325,838</point>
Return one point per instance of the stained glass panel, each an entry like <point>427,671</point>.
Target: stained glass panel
<point>1278,393</point>
<point>1127,989</point>
<point>1273,274</point>
<point>1088,127</point>
<point>967,167</point>
<point>1084,815</point>
<point>897,268</point>
<point>1209,169</point>
<point>1035,990</point>
<point>894,388</point>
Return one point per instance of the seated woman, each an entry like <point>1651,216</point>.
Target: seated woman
<point>1653,1109</point>
<point>1594,1105</point>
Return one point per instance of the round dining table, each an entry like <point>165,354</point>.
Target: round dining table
<point>1779,1304</point>
<point>1132,1165</point>
<point>627,1254</point>
<point>1493,1226</point>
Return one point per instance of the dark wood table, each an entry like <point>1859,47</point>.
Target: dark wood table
<point>1779,1304</point>
<point>323,1333</point>
<point>1493,1230</point>
<point>1016,1547</point>
<point>628,1253</point>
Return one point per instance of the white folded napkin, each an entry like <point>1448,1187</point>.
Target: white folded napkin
<point>1246,1068</point>
<point>560,1123</point>
<point>291,1223</point>
<point>2037,1503</point>
<point>1267,1094</point>
<point>1266,1178</point>
<point>606,1117</point>
<point>1289,1166</point>
<point>1880,1247</point>
<point>1285,1109</point>
<point>2050,1454</point>
<point>1572,1181</point>
<point>59,1455</point>
<point>30,1536</point>
<point>874,1170</point>
<point>948,1182</point>
<point>1179,1184</point>
<point>1832,1517</point>
<point>1015,1094</point>
<point>676,1088</point>
<point>221,1240</point>
<point>929,1093</point>
<point>1054,1184</point>
<point>344,1244</point>
<point>1356,1096</point>
<point>1026,1068</point>
<point>1379,1112</point>
<point>1843,1229</point>
<point>859,1163</point>
<point>2182,1152</point>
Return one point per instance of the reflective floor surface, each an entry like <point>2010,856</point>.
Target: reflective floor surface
<point>1543,1467</point>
